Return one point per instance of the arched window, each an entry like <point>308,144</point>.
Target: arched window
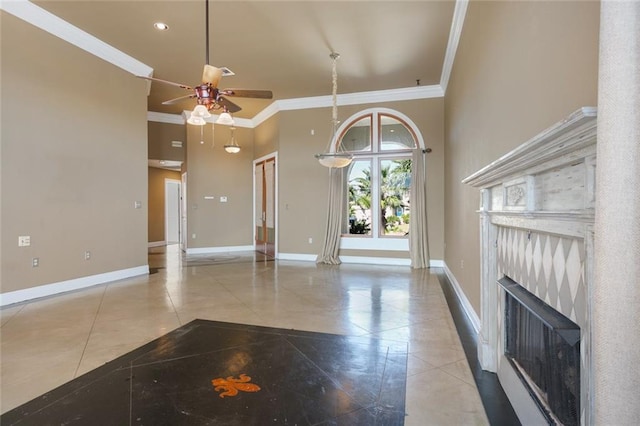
<point>379,178</point>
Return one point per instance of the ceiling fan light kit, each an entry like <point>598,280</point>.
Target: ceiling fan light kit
<point>196,121</point>
<point>334,157</point>
<point>225,119</point>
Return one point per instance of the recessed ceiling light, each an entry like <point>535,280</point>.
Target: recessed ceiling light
<point>161,26</point>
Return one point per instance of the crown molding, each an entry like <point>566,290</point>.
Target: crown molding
<point>266,113</point>
<point>358,98</point>
<point>163,117</point>
<point>60,28</point>
<point>459,12</point>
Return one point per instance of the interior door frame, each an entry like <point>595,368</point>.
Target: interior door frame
<point>183,212</point>
<point>256,209</point>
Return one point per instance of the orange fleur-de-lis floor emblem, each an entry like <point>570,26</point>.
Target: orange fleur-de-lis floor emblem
<point>231,386</point>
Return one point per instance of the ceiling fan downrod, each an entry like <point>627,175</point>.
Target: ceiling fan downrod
<point>207,31</point>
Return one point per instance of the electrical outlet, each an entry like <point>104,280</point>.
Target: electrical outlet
<point>462,264</point>
<point>35,262</point>
<point>87,255</point>
<point>24,241</point>
<point>193,236</point>
<point>310,240</point>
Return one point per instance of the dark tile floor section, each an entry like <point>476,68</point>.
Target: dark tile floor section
<point>282,377</point>
<point>496,404</point>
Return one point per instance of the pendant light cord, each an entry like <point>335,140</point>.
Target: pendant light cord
<point>334,79</point>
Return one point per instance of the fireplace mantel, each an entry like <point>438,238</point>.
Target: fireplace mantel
<point>536,222</point>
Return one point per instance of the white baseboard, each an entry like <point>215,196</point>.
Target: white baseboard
<point>466,305</point>
<point>157,243</point>
<point>367,260</point>
<point>18,296</point>
<point>297,256</point>
<point>224,249</point>
<point>376,260</point>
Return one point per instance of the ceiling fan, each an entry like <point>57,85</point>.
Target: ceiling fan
<point>208,93</point>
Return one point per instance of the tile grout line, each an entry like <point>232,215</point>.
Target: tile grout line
<point>175,311</point>
<point>95,317</point>
<point>14,315</point>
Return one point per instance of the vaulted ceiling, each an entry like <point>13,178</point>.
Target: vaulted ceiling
<point>282,46</point>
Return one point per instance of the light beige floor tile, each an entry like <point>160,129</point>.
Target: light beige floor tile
<point>438,355</point>
<point>461,370</point>
<point>30,375</point>
<point>437,398</point>
<point>416,365</point>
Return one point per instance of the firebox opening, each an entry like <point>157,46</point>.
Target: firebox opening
<point>543,346</point>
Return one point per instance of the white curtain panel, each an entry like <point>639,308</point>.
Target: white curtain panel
<point>418,238</point>
<point>335,214</point>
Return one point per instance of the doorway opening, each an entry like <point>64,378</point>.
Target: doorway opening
<point>172,211</point>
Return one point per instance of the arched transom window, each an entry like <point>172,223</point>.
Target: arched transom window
<point>379,178</point>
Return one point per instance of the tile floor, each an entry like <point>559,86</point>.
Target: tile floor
<point>48,342</point>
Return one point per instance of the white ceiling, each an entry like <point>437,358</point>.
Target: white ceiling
<point>282,46</point>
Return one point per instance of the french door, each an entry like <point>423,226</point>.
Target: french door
<point>264,220</point>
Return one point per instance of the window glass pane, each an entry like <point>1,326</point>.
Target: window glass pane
<point>360,197</point>
<point>394,135</point>
<point>358,137</point>
<point>395,181</point>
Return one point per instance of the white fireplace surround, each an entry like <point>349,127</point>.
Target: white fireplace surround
<point>536,223</point>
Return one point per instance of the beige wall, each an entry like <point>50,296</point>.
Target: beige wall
<point>211,171</point>
<point>520,67</point>
<point>267,136</point>
<point>156,201</point>
<point>303,183</point>
<point>160,137</point>
<point>74,161</point>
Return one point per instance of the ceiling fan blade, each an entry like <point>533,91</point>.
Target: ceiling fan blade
<point>244,93</point>
<point>211,75</point>
<point>176,100</point>
<point>184,86</point>
<point>228,105</point>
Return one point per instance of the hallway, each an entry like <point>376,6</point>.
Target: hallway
<point>48,342</point>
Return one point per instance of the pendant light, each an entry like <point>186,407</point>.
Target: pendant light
<point>232,147</point>
<point>334,157</point>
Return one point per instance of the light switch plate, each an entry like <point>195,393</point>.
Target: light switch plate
<point>24,241</point>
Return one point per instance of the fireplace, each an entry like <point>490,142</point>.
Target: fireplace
<point>543,347</point>
<point>536,212</point>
